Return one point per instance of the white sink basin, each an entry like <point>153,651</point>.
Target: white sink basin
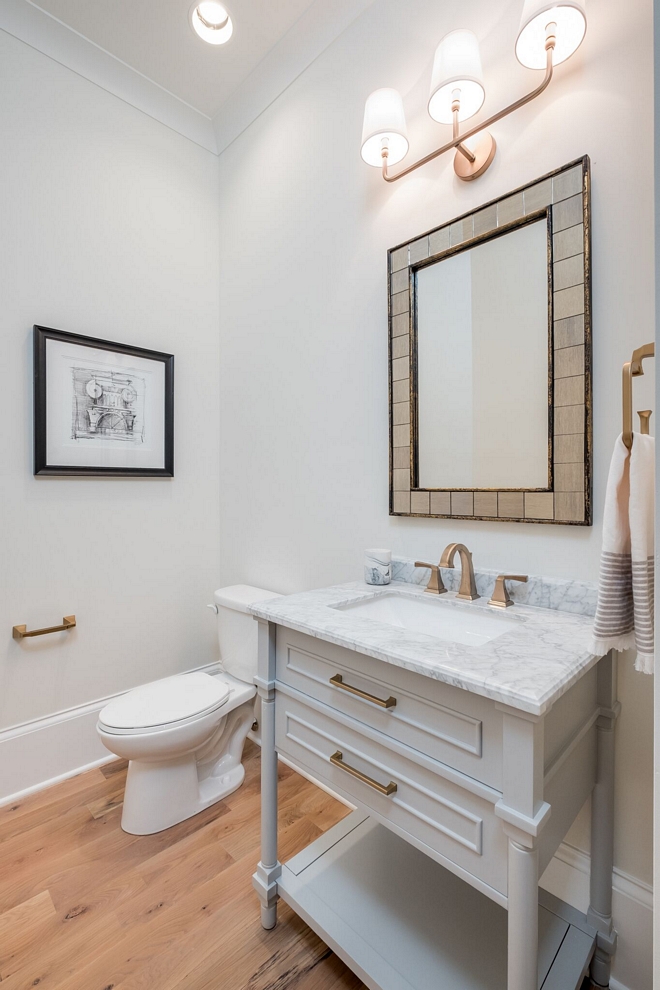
<point>464,624</point>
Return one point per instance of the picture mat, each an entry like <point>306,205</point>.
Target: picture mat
<point>62,448</point>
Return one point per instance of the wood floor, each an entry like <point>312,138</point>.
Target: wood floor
<point>84,906</point>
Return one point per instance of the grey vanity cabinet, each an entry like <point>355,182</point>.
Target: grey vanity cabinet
<point>451,788</point>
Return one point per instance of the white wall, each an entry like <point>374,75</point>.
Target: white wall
<point>656,775</point>
<point>108,228</point>
<point>305,230</point>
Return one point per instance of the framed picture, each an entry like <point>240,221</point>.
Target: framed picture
<point>101,408</point>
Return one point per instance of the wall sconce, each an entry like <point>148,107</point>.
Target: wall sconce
<point>549,34</point>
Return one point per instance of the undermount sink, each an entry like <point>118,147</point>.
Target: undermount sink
<point>450,622</point>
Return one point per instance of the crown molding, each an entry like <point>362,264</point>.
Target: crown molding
<point>45,33</point>
<point>306,40</point>
<point>312,33</point>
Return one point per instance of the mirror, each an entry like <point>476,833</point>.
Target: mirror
<point>482,360</point>
<point>490,360</point>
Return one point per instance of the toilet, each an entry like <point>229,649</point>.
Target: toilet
<point>184,735</point>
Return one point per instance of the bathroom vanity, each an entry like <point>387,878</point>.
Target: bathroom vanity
<point>468,739</point>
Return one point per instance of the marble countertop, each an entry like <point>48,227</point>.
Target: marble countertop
<point>528,667</point>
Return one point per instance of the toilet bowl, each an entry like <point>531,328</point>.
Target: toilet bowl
<point>184,735</point>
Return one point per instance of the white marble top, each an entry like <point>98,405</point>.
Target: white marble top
<point>527,668</point>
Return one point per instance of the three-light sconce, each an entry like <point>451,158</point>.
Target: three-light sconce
<point>549,34</point>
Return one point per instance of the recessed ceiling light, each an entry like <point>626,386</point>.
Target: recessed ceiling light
<point>211,22</point>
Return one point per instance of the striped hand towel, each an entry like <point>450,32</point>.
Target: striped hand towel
<point>624,614</point>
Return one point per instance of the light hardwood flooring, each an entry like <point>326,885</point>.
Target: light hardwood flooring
<point>84,906</point>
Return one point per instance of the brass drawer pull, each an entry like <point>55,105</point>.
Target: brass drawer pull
<point>337,760</point>
<point>338,681</point>
<point>21,632</point>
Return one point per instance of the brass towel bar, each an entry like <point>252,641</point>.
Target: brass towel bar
<point>21,632</point>
<point>633,369</point>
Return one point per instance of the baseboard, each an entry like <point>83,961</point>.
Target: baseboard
<point>45,751</point>
<point>567,877</point>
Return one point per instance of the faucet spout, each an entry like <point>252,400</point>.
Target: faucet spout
<point>468,587</point>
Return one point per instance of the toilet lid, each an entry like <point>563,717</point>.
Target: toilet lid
<point>169,700</point>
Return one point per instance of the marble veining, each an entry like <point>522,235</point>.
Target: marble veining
<point>577,597</point>
<point>528,667</point>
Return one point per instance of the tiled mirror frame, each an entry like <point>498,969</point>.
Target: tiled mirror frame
<point>563,196</point>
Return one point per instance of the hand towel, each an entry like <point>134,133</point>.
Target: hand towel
<point>642,499</point>
<point>624,614</point>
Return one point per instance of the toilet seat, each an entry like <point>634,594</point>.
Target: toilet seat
<point>169,702</point>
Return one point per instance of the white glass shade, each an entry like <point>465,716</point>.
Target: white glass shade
<point>384,120</point>
<point>211,22</point>
<point>571,20</point>
<point>456,66</point>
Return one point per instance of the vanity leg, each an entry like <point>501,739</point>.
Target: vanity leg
<point>269,869</point>
<point>523,936</point>
<point>524,814</point>
<point>602,826</point>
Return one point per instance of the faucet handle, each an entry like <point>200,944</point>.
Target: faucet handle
<point>501,597</point>
<point>435,585</point>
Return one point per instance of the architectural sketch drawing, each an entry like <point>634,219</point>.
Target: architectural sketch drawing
<point>107,405</point>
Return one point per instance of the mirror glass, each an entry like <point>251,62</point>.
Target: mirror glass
<point>482,364</point>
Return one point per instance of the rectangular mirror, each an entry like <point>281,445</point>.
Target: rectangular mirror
<point>490,370</point>
<point>482,314</point>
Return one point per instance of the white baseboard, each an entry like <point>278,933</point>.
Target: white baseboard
<point>44,751</point>
<point>567,877</point>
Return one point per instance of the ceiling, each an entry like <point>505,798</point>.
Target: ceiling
<point>154,37</point>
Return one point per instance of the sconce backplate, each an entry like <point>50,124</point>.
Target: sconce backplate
<point>483,149</point>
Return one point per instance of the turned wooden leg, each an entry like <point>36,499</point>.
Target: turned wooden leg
<point>523,893</point>
<point>602,827</point>
<point>269,869</point>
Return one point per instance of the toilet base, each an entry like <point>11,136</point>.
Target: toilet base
<point>162,793</point>
<point>158,796</point>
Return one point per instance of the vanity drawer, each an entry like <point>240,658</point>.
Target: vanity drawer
<point>452,726</point>
<point>459,825</point>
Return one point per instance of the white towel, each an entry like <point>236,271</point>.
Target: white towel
<point>624,614</point>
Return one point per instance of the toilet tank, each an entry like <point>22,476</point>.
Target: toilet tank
<point>237,629</point>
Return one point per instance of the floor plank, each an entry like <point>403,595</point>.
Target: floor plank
<point>117,766</point>
<point>27,922</point>
<point>84,906</point>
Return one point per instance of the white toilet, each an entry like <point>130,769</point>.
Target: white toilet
<point>184,735</point>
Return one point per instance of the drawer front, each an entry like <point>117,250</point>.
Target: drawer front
<point>448,724</point>
<point>459,825</point>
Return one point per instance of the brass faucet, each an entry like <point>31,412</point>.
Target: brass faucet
<point>468,589</point>
<point>501,597</point>
<point>435,585</point>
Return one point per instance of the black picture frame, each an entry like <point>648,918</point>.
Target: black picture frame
<point>41,465</point>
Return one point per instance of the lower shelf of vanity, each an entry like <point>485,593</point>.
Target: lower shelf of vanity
<point>401,921</point>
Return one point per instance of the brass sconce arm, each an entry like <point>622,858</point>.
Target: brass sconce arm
<point>456,141</point>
